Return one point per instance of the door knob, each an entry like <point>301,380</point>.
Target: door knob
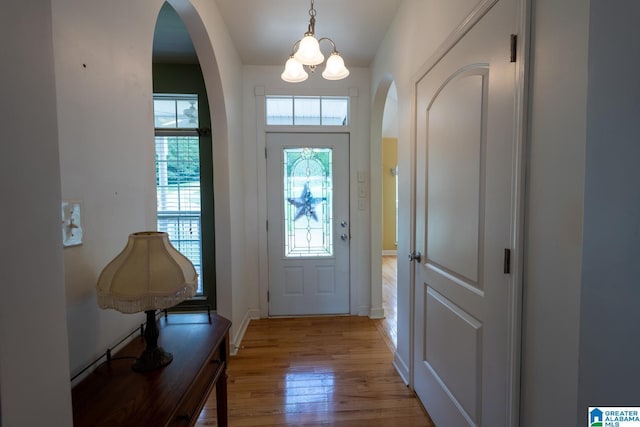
<point>415,256</point>
<point>344,237</point>
<point>343,224</point>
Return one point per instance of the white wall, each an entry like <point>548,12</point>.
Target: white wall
<point>34,371</point>
<point>390,114</point>
<point>555,166</point>
<point>609,369</point>
<point>267,79</point>
<point>555,188</point>
<point>104,76</point>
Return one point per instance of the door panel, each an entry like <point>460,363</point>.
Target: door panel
<point>306,206</point>
<point>454,163</point>
<point>465,139</point>
<point>454,362</point>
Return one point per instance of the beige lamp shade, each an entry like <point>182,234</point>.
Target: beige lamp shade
<point>148,274</point>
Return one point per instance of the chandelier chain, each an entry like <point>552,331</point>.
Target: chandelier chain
<point>312,22</point>
<point>312,11</point>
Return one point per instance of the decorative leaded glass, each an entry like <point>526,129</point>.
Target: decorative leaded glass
<point>308,202</point>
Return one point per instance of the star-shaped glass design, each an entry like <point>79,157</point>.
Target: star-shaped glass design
<point>306,203</point>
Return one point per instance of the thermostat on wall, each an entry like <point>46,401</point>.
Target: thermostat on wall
<point>71,224</point>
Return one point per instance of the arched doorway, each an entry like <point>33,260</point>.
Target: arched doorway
<point>203,45</point>
<point>384,208</point>
<point>389,226</point>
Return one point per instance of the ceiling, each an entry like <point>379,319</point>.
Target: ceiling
<point>264,31</point>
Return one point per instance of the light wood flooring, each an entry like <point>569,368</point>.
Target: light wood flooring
<point>388,326</point>
<point>317,371</point>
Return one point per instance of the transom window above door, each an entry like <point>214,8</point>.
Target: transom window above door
<point>307,110</point>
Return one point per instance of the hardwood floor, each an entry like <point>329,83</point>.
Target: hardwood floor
<point>318,371</point>
<point>388,326</point>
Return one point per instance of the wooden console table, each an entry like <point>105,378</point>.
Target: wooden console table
<point>115,395</point>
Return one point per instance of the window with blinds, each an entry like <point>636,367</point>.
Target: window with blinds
<point>178,174</point>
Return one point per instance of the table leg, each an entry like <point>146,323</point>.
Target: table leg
<point>221,398</point>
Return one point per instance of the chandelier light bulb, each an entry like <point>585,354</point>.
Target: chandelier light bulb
<point>335,69</point>
<point>308,52</point>
<point>294,71</point>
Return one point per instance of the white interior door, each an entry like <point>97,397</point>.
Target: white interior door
<point>308,223</point>
<point>465,141</point>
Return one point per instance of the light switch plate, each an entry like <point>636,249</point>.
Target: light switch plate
<point>71,223</point>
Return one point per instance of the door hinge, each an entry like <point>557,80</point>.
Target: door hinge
<point>507,261</point>
<point>265,152</point>
<point>267,296</point>
<point>267,224</point>
<point>514,47</point>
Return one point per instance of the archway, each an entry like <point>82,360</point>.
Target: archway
<point>220,141</point>
<point>377,201</point>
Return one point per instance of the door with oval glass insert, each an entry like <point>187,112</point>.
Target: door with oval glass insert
<point>308,223</point>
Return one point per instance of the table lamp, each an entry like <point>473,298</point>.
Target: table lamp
<point>148,275</point>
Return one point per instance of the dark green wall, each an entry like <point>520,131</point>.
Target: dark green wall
<point>187,78</point>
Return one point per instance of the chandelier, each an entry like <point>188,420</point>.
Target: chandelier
<point>307,52</point>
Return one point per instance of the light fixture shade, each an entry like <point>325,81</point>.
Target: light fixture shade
<point>308,52</point>
<point>335,69</point>
<point>294,71</point>
<point>148,274</point>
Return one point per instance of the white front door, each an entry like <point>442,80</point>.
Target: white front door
<point>465,142</point>
<point>308,223</point>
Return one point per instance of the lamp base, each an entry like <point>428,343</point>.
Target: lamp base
<point>152,359</point>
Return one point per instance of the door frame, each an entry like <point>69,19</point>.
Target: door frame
<point>519,173</point>
<point>357,307</point>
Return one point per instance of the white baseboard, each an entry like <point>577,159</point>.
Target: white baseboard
<point>401,367</point>
<point>389,252</point>
<point>236,343</point>
<point>364,310</point>
<point>377,313</point>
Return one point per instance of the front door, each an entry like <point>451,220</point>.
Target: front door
<point>465,139</point>
<point>308,223</point>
